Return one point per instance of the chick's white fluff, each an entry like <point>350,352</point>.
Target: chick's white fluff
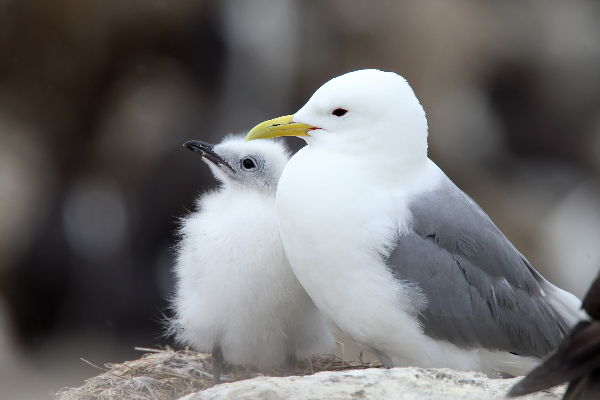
<point>235,287</point>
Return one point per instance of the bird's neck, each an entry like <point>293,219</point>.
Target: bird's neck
<point>395,167</point>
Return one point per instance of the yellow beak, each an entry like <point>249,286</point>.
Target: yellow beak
<point>282,126</point>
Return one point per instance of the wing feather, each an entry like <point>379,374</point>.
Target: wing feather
<point>481,291</point>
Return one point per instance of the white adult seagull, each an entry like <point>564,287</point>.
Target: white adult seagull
<point>236,294</point>
<point>392,252</point>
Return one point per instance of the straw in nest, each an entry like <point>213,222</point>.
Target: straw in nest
<point>168,375</point>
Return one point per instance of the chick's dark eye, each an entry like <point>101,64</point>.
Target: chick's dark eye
<point>338,112</point>
<point>247,163</point>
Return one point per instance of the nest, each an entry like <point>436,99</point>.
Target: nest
<point>168,375</point>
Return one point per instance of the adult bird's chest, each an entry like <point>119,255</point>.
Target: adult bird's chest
<point>336,228</point>
<point>324,209</point>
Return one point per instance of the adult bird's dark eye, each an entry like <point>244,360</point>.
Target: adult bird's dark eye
<point>248,163</point>
<point>338,112</point>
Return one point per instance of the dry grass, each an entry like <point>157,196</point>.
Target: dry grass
<point>169,374</point>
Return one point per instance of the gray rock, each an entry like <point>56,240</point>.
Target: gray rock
<point>391,384</point>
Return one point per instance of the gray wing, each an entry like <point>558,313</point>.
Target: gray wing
<point>481,291</point>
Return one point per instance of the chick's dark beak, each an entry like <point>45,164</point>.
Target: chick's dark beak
<point>206,150</point>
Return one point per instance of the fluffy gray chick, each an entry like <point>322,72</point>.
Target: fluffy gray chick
<point>236,295</point>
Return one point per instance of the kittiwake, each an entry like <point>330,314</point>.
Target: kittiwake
<point>236,295</point>
<point>392,252</point>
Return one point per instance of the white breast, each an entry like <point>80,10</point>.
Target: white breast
<point>236,288</point>
<point>327,209</point>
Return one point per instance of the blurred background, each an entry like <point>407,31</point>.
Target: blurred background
<point>97,97</point>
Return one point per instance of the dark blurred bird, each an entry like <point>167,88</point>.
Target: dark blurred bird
<point>236,295</point>
<point>576,361</point>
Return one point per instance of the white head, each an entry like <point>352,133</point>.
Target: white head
<point>366,112</point>
<point>256,166</point>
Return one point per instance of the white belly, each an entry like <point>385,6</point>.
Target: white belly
<point>323,223</point>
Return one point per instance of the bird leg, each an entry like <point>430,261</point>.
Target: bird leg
<point>289,366</point>
<point>217,364</point>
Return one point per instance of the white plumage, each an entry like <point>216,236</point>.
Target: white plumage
<point>392,252</point>
<point>235,289</point>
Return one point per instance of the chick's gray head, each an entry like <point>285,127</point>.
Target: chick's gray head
<point>254,165</point>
